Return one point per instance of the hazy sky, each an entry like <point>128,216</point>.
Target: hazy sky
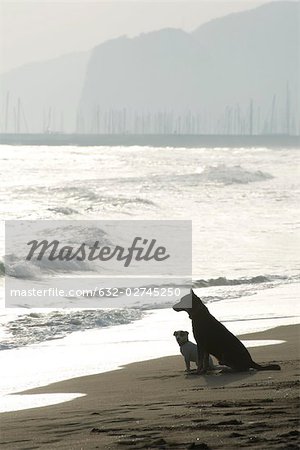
<point>33,31</point>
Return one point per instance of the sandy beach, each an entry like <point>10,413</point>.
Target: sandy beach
<point>154,404</point>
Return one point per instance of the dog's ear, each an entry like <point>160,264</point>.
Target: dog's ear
<point>194,296</point>
<point>197,303</point>
<point>174,334</point>
<point>187,333</point>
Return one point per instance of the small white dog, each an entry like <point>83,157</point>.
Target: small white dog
<point>189,350</point>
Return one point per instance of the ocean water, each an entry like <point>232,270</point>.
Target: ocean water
<point>246,221</point>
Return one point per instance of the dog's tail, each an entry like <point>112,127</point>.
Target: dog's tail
<point>268,367</point>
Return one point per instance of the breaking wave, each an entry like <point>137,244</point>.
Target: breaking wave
<point>223,281</point>
<point>220,174</point>
<point>233,175</point>
<point>73,235</point>
<point>35,270</point>
<point>36,327</point>
<point>63,210</point>
<point>89,194</point>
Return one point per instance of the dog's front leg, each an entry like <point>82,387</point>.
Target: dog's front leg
<point>187,364</point>
<point>201,361</point>
<point>205,362</point>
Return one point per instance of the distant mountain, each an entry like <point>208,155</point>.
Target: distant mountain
<point>148,71</point>
<point>254,54</point>
<point>235,74</point>
<point>49,93</point>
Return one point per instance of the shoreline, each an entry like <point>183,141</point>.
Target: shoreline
<point>57,360</point>
<point>152,140</point>
<point>141,406</point>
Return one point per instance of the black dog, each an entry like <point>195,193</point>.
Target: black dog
<point>213,338</point>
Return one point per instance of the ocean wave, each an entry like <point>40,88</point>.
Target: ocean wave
<point>89,194</point>
<point>223,281</point>
<point>245,287</point>
<point>220,174</point>
<point>23,270</point>
<point>233,175</point>
<point>36,327</point>
<point>72,235</point>
<point>34,269</point>
<point>63,210</point>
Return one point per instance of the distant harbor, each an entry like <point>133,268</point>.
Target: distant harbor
<point>151,140</point>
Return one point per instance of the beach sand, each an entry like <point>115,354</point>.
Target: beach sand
<point>154,404</point>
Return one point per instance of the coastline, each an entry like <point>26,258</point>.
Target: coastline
<point>109,348</point>
<point>152,140</point>
<point>153,404</point>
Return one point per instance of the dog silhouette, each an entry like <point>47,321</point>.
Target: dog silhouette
<point>213,338</point>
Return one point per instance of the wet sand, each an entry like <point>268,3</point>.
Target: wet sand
<point>154,404</point>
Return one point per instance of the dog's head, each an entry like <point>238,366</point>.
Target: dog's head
<point>181,336</point>
<point>185,304</point>
<point>190,303</point>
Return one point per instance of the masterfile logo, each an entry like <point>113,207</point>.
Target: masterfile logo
<point>48,262</point>
<point>139,250</point>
